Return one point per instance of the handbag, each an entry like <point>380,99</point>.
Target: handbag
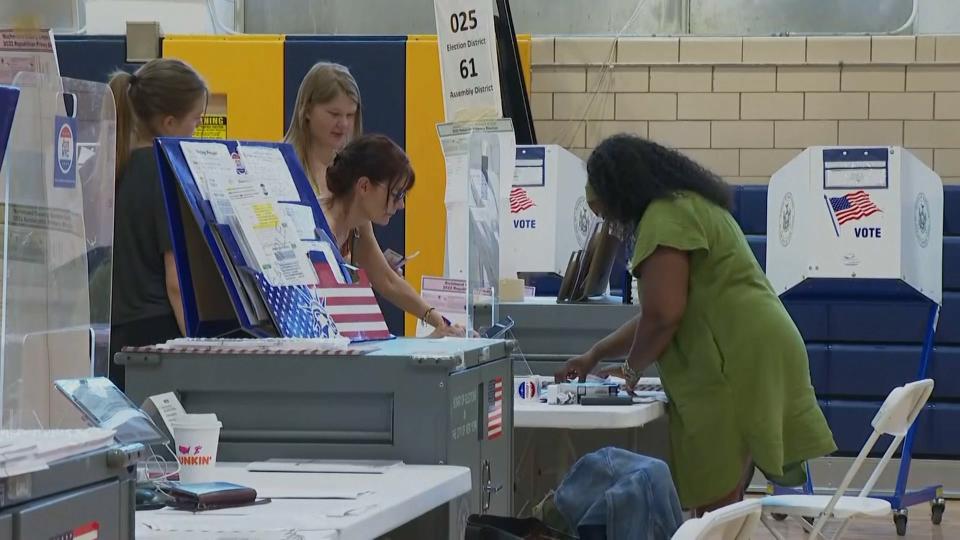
<point>487,527</point>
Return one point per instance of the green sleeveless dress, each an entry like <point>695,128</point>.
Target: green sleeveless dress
<point>736,372</point>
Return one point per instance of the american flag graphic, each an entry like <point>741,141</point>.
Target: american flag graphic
<point>90,531</point>
<point>853,206</point>
<point>353,307</point>
<point>298,311</point>
<point>495,408</point>
<point>519,200</point>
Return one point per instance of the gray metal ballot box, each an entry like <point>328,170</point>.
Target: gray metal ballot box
<point>74,496</point>
<point>424,401</point>
<point>549,333</point>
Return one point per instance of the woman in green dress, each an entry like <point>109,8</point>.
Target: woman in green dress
<point>731,360</point>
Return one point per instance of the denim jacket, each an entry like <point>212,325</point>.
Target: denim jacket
<point>633,496</point>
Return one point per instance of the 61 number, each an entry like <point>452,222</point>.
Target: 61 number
<point>468,68</point>
<point>463,21</point>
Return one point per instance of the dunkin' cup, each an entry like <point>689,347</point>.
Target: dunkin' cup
<point>197,437</point>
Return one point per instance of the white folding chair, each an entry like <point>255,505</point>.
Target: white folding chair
<point>894,418</point>
<point>733,522</point>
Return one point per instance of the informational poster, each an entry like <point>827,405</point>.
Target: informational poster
<point>27,50</point>
<point>214,172</point>
<point>469,69</point>
<point>301,216</point>
<point>268,232</point>
<point>268,168</point>
<point>448,296</point>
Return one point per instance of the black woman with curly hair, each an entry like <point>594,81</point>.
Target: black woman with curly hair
<point>730,358</point>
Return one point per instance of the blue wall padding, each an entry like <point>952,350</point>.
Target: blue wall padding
<point>860,349</point>
<point>752,209</point>
<point>92,58</point>
<point>850,423</point>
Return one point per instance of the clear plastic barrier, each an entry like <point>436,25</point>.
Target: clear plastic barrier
<point>57,199</point>
<point>483,228</point>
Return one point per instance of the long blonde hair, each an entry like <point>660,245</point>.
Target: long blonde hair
<point>323,83</point>
<point>161,87</point>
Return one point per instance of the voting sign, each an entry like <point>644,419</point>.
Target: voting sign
<point>65,152</point>
<point>469,70</point>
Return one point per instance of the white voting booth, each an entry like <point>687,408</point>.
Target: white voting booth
<point>548,218</point>
<point>860,213</point>
<point>860,223</point>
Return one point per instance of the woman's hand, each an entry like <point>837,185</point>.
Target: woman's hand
<point>448,330</point>
<point>614,371</point>
<point>578,366</point>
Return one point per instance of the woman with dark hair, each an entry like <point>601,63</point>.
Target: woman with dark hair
<point>730,358</point>
<point>367,182</point>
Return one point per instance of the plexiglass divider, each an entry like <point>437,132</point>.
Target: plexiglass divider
<point>57,180</point>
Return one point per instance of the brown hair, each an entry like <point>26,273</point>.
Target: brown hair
<point>161,87</point>
<point>322,84</point>
<point>375,157</point>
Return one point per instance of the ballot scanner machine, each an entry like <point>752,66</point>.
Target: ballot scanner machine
<point>549,333</point>
<point>85,496</point>
<point>443,401</point>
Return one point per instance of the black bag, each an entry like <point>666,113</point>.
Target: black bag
<point>486,527</point>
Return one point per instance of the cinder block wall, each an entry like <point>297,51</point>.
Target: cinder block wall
<point>744,106</point>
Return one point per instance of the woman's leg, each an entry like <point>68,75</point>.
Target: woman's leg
<point>733,497</point>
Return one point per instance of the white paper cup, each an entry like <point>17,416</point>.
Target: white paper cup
<point>526,388</point>
<point>196,437</point>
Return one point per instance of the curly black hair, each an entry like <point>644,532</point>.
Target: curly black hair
<point>628,172</point>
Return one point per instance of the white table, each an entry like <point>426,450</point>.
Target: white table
<point>400,495</point>
<point>531,417</point>
<point>530,414</point>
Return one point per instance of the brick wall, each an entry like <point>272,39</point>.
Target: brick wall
<point>745,106</point>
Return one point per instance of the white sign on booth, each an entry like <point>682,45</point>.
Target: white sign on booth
<point>855,212</point>
<point>469,71</point>
<point>548,217</point>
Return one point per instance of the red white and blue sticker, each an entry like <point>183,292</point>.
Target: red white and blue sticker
<point>65,152</point>
<point>88,531</point>
<point>495,408</point>
<point>239,162</point>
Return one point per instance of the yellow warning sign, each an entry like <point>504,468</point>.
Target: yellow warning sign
<point>212,126</point>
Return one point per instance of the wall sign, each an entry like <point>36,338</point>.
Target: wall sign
<point>468,59</point>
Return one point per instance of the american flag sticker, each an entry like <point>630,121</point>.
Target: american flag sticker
<point>495,408</point>
<point>519,200</point>
<point>90,531</point>
<point>851,207</point>
<point>353,307</point>
<point>297,310</point>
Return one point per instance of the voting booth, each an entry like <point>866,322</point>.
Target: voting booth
<point>853,223</point>
<point>856,213</point>
<point>549,216</point>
